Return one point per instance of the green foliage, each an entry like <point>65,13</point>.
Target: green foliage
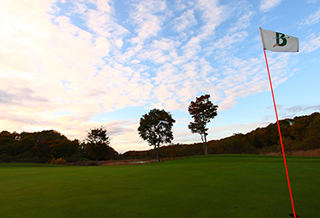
<point>64,148</point>
<point>202,111</point>
<point>312,137</point>
<point>97,145</point>
<point>156,128</point>
<point>98,136</point>
<point>37,147</point>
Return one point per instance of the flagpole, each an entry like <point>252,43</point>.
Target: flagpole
<point>283,154</point>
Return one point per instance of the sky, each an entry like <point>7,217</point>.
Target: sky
<point>74,65</point>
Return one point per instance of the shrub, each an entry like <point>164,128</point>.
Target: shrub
<point>74,158</point>
<point>58,161</point>
<point>7,158</point>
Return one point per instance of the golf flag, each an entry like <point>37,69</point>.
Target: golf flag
<point>278,42</point>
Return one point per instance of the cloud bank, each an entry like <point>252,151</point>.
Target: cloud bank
<point>64,62</point>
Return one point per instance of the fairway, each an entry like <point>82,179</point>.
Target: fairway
<point>219,186</point>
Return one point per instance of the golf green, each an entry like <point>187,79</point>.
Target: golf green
<point>221,186</point>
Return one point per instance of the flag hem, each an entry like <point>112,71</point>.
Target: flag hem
<point>264,47</point>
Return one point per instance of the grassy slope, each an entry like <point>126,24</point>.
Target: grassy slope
<point>213,186</point>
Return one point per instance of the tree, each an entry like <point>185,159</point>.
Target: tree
<point>156,128</point>
<point>97,144</point>
<point>312,139</point>
<point>202,111</point>
<point>64,148</point>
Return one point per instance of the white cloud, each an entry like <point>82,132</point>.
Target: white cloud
<point>103,5</point>
<point>102,46</point>
<point>79,8</point>
<point>227,41</point>
<point>243,22</point>
<point>167,73</point>
<point>186,20</point>
<point>213,14</point>
<point>192,47</point>
<point>101,22</point>
<point>312,19</point>
<point>311,44</point>
<point>158,51</point>
<point>163,92</point>
<point>246,77</point>
<point>267,5</point>
<point>180,5</point>
<point>39,55</point>
<point>147,19</point>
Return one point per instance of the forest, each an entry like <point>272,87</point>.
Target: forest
<point>299,133</point>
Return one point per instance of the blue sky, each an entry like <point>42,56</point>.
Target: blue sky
<point>76,65</point>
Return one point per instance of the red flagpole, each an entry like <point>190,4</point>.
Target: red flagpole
<point>284,157</point>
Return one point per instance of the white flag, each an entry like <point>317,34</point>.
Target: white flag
<point>278,42</point>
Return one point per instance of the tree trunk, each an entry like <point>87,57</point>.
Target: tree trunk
<point>97,162</point>
<point>156,147</point>
<point>206,145</point>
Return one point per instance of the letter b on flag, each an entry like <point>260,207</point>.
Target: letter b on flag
<point>282,37</point>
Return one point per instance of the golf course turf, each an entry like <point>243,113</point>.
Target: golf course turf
<point>219,186</point>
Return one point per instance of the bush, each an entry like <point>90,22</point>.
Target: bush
<point>58,161</point>
<point>74,158</point>
<point>7,158</point>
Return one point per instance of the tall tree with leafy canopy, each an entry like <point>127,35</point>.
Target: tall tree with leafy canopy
<point>156,128</point>
<point>97,144</point>
<point>202,111</point>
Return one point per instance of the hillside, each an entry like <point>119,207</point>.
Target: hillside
<point>299,134</point>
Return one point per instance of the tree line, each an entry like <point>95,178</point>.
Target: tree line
<point>300,133</point>
<point>50,145</point>
<point>155,127</point>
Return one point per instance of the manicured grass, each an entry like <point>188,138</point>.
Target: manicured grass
<point>213,186</point>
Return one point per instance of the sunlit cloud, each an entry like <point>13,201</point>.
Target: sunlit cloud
<point>63,64</point>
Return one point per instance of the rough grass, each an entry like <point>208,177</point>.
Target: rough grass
<point>305,153</point>
<point>212,186</point>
